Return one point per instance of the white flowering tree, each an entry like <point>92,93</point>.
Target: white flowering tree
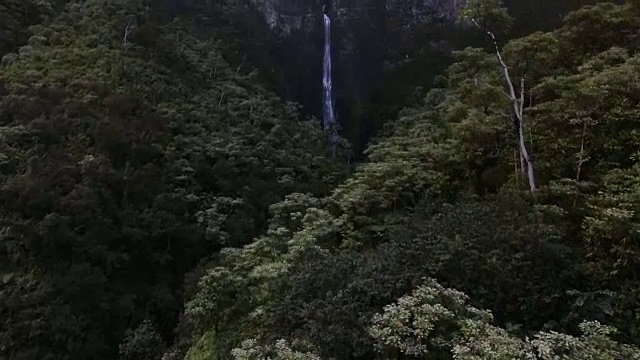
<point>281,350</point>
<point>437,322</point>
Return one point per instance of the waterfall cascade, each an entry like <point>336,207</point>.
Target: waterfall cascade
<point>329,121</point>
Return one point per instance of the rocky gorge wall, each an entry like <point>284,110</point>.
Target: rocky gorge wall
<point>372,41</point>
<point>369,37</point>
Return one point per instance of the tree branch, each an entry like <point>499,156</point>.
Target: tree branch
<point>127,31</point>
<point>478,84</point>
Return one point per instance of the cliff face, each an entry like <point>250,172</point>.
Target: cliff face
<point>368,37</point>
<point>284,38</point>
<point>372,41</point>
<point>373,38</point>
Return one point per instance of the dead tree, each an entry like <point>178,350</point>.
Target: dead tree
<point>518,109</point>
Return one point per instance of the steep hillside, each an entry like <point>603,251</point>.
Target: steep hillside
<point>386,52</point>
<point>436,247</point>
<point>130,149</point>
<point>159,201</point>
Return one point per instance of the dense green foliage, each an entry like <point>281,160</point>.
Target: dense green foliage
<point>16,16</point>
<point>129,151</point>
<point>442,196</point>
<point>158,202</point>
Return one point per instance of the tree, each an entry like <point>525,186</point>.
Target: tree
<point>145,343</point>
<point>124,164</point>
<point>434,321</point>
<point>486,14</point>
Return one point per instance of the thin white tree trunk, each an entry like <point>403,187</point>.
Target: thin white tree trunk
<point>581,156</point>
<point>127,31</point>
<point>522,167</point>
<point>518,107</point>
<point>523,144</point>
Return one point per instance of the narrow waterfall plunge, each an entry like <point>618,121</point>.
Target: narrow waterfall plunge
<point>329,122</point>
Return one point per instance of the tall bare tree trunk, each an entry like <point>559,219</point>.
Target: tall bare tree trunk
<point>581,156</point>
<point>127,31</point>
<point>518,109</point>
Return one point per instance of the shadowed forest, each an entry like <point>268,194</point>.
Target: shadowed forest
<point>161,197</point>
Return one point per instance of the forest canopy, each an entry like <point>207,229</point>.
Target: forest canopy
<point>159,201</point>
<point>130,150</point>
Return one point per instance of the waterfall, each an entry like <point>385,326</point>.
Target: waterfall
<point>329,122</point>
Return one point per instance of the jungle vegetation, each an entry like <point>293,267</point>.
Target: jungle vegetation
<point>159,201</point>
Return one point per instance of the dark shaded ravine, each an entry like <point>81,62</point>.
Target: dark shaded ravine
<point>382,49</point>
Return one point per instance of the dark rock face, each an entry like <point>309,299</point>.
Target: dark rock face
<point>371,38</point>
<point>372,41</point>
<point>368,36</point>
<point>284,39</point>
